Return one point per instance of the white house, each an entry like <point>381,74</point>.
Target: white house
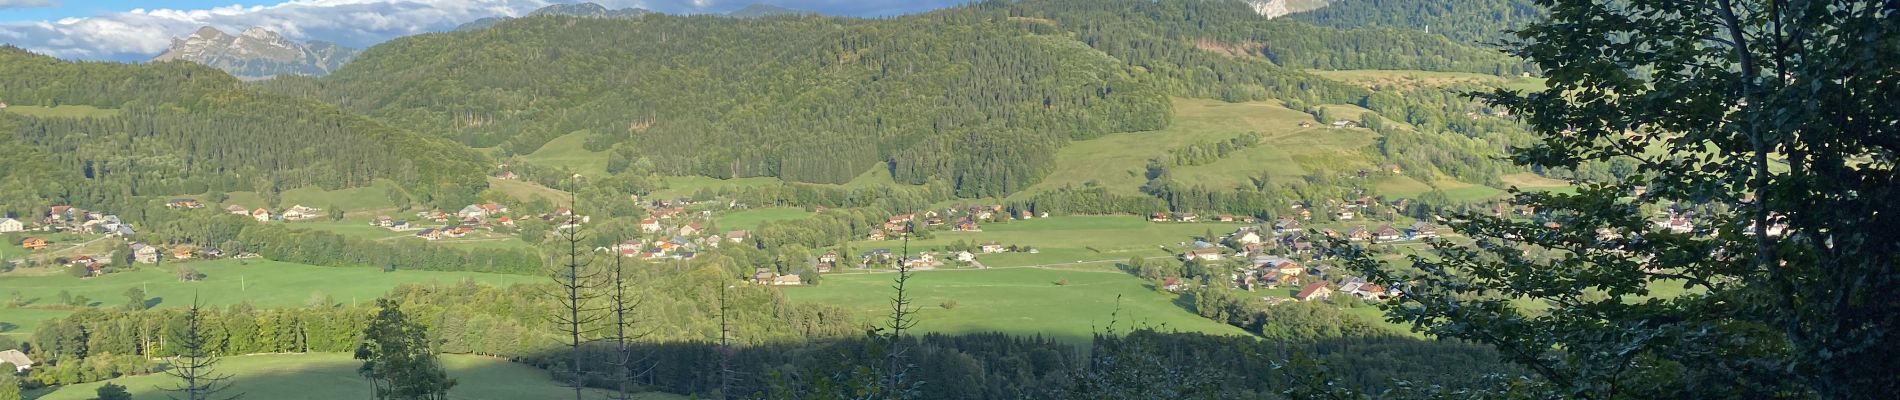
<point>20,361</point>
<point>11,225</point>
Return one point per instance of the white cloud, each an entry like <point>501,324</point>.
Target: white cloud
<point>6,4</point>
<point>139,34</point>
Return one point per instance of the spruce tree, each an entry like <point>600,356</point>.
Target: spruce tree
<point>195,363</point>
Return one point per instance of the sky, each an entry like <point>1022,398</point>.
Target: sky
<point>136,30</point>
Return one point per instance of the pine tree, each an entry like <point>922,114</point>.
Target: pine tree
<point>574,289</point>
<point>195,363</point>
<point>625,306</point>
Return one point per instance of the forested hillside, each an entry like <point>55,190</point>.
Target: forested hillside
<point>975,98</point>
<point>1463,21</point>
<point>179,128</point>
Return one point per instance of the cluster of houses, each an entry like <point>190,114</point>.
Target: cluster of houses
<point>294,213</point>
<point>1288,236</point>
<point>71,219</point>
<point>67,219</point>
<point>1192,217</point>
<point>955,219</point>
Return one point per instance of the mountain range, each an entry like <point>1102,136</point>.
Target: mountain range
<point>257,53</point>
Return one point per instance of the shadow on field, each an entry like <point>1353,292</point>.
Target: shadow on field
<point>996,365</point>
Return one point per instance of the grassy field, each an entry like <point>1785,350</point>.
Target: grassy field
<point>374,197</point>
<point>266,284</point>
<point>1287,150</point>
<point>567,151</point>
<point>1067,239</point>
<point>528,191</point>
<point>1017,300</point>
<point>66,111</point>
<point>751,219</point>
<point>682,186</point>
<point>1018,293</point>
<point>333,376</point>
<point>20,322</point>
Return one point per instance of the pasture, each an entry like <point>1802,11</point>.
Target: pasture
<point>334,376</point>
<point>1286,150</point>
<point>1021,300</point>
<point>263,283</point>
<point>751,219</point>
<point>568,151</point>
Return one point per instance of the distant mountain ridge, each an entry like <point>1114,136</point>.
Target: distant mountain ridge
<point>583,10</point>
<point>257,53</point>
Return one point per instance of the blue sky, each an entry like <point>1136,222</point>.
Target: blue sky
<point>131,30</point>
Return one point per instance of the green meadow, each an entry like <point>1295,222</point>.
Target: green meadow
<point>265,284</point>
<point>333,376</point>
<point>568,151</point>
<point>751,219</point>
<point>1024,301</point>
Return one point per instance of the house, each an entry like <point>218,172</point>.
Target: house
<point>1306,214</point>
<point>1288,267</point>
<point>1172,284</point>
<point>966,224</point>
<point>1306,124</point>
<point>1225,218</point>
<point>183,252</point>
<point>299,213</point>
<point>1423,230</point>
<point>211,253</point>
<point>506,221</point>
<point>507,176</point>
<point>1159,217</point>
<point>876,234</point>
<point>901,218</point>
<point>649,225</point>
<point>20,361</point>
<point>965,257</point>
<point>11,225</point>
<point>1677,223</point>
<point>471,211</point>
<point>1187,217</point>
<point>1246,236</point>
<point>184,203</point>
<point>830,257</point>
<point>382,221</point>
<point>1344,214</point>
<point>787,280</point>
<point>692,229</point>
<point>763,276</point>
<point>1286,225</point>
<point>456,231</point>
<point>144,254</point>
<point>430,234</point>
<point>262,215</point>
<point>738,236</point>
<point>1359,234</point>
<point>33,243</point>
<point>1207,254</point>
<point>237,210</point>
<point>399,225</point>
<point>1387,234</point>
<point>1342,124</point>
<point>1314,291</point>
<point>993,247</point>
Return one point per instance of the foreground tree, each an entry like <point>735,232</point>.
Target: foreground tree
<point>110,391</point>
<point>575,283</point>
<point>398,359</point>
<point>194,365</point>
<point>1774,119</point>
